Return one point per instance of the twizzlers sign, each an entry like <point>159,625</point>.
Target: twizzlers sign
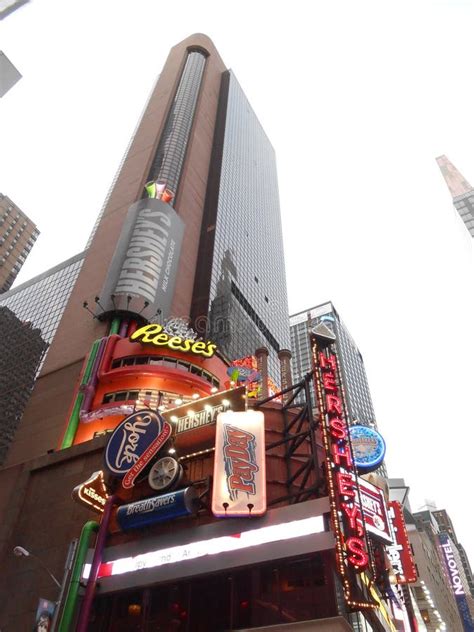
<point>347,519</point>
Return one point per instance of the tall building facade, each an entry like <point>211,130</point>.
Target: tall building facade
<point>242,296</point>
<point>21,350</point>
<point>358,398</point>
<point>446,526</point>
<point>461,191</point>
<point>17,237</point>
<point>173,285</point>
<point>195,130</point>
<point>42,299</point>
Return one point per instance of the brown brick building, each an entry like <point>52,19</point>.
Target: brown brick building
<point>17,237</point>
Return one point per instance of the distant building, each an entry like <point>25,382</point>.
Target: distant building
<point>350,358</point>
<point>8,6</point>
<point>461,191</point>
<point>446,525</point>
<point>17,236</point>
<point>42,299</point>
<point>436,599</point>
<point>21,351</point>
<point>9,74</point>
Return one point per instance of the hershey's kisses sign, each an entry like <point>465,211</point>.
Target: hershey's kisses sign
<point>134,443</point>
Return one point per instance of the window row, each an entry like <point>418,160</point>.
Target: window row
<point>171,363</point>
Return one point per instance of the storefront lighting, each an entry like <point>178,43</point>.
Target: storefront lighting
<point>196,396</point>
<point>192,455</point>
<point>172,450</point>
<point>226,402</point>
<point>208,407</point>
<point>178,401</point>
<point>213,546</point>
<point>214,389</point>
<point>173,418</point>
<point>190,413</point>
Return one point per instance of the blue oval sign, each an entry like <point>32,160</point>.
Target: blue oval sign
<point>130,439</point>
<point>368,447</point>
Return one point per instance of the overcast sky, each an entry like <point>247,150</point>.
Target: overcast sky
<point>358,98</point>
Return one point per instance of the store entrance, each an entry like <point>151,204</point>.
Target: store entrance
<point>279,592</point>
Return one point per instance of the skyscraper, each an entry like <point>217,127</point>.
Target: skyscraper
<point>446,525</point>
<point>461,191</point>
<point>42,299</point>
<point>21,351</point>
<point>359,400</point>
<point>199,137</point>
<point>17,236</point>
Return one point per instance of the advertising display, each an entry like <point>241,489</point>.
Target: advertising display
<point>368,448</point>
<point>345,499</point>
<point>145,261</point>
<point>134,443</point>
<point>399,553</point>
<point>204,412</point>
<point>239,465</point>
<point>456,582</point>
<point>44,615</point>
<point>375,511</point>
<point>92,493</point>
<point>156,335</point>
<point>157,509</point>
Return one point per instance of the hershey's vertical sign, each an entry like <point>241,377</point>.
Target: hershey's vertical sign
<point>346,514</point>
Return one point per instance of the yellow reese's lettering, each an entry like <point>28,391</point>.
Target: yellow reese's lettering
<point>154,334</point>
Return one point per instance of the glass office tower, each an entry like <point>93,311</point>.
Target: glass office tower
<point>356,386</point>
<point>41,300</point>
<point>247,305</point>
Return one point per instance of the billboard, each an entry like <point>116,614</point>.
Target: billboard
<point>456,582</point>
<point>399,553</point>
<point>145,263</point>
<point>239,465</point>
<point>375,511</point>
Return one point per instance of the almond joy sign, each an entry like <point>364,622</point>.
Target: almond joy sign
<point>134,443</point>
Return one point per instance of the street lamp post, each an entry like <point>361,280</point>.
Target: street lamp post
<point>20,551</point>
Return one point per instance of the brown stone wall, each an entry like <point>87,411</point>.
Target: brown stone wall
<point>44,421</point>
<point>37,512</point>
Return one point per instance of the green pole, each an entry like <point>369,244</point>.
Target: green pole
<point>114,326</point>
<point>74,417</point>
<point>72,594</point>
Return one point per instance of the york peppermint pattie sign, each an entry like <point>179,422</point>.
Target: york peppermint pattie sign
<point>134,443</point>
<point>145,262</point>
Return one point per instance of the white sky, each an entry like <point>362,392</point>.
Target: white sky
<point>358,98</point>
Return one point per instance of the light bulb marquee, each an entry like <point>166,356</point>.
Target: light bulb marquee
<point>352,549</point>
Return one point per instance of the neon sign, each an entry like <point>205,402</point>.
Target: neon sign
<point>155,334</point>
<point>92,493</point>
<point>399,553</point>
<point>344,494</point>
<point>368,448</point>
